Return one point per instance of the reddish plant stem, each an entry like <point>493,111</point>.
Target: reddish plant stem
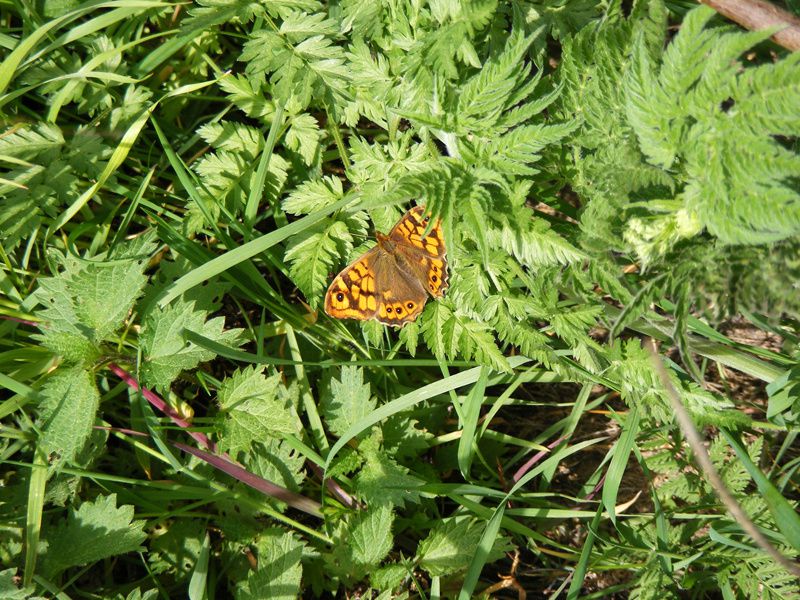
<point>254,481</point>
<point>759,14</point>
<point>165,408</point>
<point>334,488</point>
<point>536,458</point>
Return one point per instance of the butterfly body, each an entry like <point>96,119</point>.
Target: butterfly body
<point>392,281</point>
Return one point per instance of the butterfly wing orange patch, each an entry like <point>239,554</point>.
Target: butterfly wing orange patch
<point>425,254</point>
<point>351,295</point>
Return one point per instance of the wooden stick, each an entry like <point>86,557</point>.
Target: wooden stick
<point>760,14</point>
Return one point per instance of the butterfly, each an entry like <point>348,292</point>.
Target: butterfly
<point>392,281</point>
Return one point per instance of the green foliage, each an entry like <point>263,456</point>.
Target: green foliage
<point>450,545</point>
<point>166,352</point>
<point>95,531</point>
<point>371,536</point>
<point>254,407</point>
<point>279,569</point>
<point>179,186</point>
<point>744,568</point>
<point>67,413</point>
<point>708,113</point>
<point>348,400</point>
<point>87,301</point>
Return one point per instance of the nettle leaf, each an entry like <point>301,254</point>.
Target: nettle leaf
<point>177,547</point>
<point>348,400</point>
<point>451,544</point>
<point>312,255</point>
<point>371,535</point>
<point>89,299</point>
<point>313,195</point>
<point>382,480</point>
<point>67,414</point>
<point>304,137</point>
<point>279,568</point>
<point>276,461</point>
<point>166,353</point>
<point>95,531</point>
<point>254,408</point>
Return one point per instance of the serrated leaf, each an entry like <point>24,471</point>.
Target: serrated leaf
<point>450,546</point>
<point>254,408</point>
<point>304,136</point>
<point>279,569</point>
<point>348,400</point>
<point>247,96</point>
<point>448,334</point>
<point>95,531</point>
<point>276,461</point>
<point>371,535</point>
<point>314,195</point>
<point>166,352</point>
<point>382,480</point>
<point>89,299</point>
<point>234,137</point>
<point>312,255</point>
<point>67,414</point>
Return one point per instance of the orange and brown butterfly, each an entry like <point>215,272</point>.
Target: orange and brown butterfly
<point>392,281</point>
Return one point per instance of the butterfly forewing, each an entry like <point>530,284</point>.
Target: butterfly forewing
<point>425,254</point>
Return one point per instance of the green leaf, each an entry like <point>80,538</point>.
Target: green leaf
<point>450,545</point>
<point>371,535</point>
<point>279,568</point>
<point>165,351</point>
<point>9,589</point>
<point>276,461</point>
<point>301,60</point>
<point>95,531</point>
<point>233,137</point>
<point>89,299</point>
<point>448,334</point>
<point>348,400</point>
<point>67,414</point>
<point>312,255</point>
<point>313,195</point>
<point>304,136</point>
<point>382,480</point>
<point>247,96</point>
<point>254,408</point>
<point>702,110</point>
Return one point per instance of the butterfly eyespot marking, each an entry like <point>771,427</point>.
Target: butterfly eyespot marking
<point>410,306</point>
<point>389,309</point>
<point>339,297</point>
<point>434,279</point>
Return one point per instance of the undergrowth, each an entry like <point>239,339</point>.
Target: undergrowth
<point>180,184</point>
